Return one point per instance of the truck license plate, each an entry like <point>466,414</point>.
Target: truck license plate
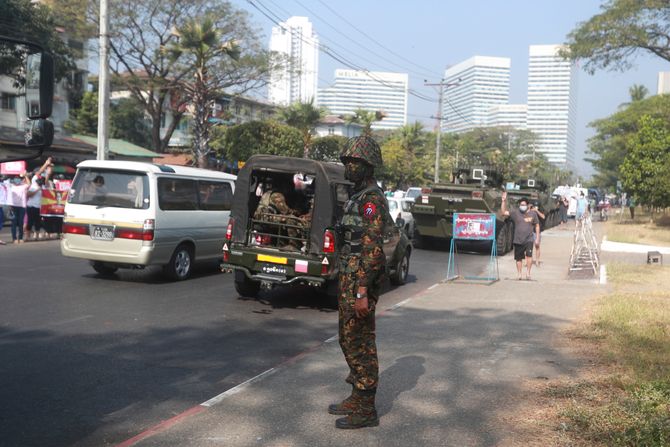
<point>274,269</point>
<point>102,232</point>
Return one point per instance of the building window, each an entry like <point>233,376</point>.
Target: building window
<point>331,130</point>
<point>7,101</point>
<point>162,120</point>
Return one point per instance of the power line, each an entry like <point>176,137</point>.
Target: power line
<point>357,43</point>
<point>371,38</point>
<point>274,18</point>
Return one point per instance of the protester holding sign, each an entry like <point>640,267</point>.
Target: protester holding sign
<point>525,225</point>
<point>17,196</point>
<point>35,201</point>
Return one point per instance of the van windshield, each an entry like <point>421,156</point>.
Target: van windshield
<point>103,187</point>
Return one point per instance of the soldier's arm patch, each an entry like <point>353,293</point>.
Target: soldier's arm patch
<point>369,210</point>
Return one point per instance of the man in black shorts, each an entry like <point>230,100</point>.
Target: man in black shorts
<point>525,225</point>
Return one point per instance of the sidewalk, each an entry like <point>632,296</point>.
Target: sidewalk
<point>451,359</point>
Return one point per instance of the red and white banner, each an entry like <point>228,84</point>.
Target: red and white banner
<point>53,202</point>
<point>13,167</point>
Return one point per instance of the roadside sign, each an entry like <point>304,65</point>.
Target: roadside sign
<point>474,226</point>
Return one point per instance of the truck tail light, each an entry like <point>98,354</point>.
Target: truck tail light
<point>329,241</point>
<point>229,230</point>
<point>477,194</point>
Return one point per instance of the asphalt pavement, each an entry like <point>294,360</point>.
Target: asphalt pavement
<point>452,357</point>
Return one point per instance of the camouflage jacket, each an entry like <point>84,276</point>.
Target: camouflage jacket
<point>365,221</point>
<point>272,202</point>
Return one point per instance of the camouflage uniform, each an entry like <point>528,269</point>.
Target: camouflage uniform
<point>366,218</point>
<point>274,209</point>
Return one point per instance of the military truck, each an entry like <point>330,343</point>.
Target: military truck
<point>535,191</point>
<point>477,190</point>
<point>286,250</point>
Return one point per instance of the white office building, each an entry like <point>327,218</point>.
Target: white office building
<point>473,87</point>
<point>373,91</point>
<point>663,87</point>
<point>552,103</point>
<point>297,81</point>
<point>508,115</point>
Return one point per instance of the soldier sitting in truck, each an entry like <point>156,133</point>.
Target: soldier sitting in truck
<point>274,209</point>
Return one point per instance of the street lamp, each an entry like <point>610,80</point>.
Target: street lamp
<point>442,85</point>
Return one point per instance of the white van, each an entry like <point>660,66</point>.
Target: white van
<point>126,214</point>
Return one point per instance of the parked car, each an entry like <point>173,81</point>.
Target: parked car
<point>402,208</point>
<point>268,252</point>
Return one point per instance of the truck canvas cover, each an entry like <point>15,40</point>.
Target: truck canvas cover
<point>325,175</point>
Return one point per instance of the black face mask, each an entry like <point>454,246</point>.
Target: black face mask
<point>355,172</point>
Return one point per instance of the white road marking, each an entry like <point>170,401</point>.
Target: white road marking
<point>603,274</point>
<point>433,286</point>
<point>236,389</point>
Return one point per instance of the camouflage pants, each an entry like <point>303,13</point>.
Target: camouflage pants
<point>357,335</point>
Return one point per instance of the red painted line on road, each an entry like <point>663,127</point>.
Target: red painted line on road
<point>162,426</point>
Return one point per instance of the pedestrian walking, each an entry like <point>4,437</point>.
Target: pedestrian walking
<point>581,209</point>
<point>525,224</point>
<point>362,262</point>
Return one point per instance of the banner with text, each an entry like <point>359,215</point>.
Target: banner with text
<point>474,226</point>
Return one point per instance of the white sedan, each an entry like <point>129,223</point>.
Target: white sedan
<point>403,208</point>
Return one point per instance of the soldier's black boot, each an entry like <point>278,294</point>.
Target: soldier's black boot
<point>364,414</point>
<point>346,406</point>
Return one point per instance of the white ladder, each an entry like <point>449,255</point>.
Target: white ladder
<point>584,255</point>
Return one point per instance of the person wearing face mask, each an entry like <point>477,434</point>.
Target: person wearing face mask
<point>362,263</point>
<point>526,224</point>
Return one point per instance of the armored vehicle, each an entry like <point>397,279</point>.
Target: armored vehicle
<point>266,247</point>
<point>473,191</point>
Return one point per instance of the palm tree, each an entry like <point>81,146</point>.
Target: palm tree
<point>304,116</point>
<point>365,118</point>
<point>638,92</point>
<point>200,43</point>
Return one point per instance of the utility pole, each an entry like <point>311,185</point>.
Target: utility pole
<point>103,84</point>
<point>441,87</point>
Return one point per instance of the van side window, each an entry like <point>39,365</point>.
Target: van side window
<point>177,194</point>
<point>215,196</point>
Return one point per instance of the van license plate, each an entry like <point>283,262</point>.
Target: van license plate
<point>274,269</point>
<point>102,232</point>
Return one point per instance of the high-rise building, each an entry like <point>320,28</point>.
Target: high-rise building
<point>296,40</point>
<point>474,86</point>
<point>552,103</point>
<point>663,83</point>
<point>508,115</point>
<point>369,90</point>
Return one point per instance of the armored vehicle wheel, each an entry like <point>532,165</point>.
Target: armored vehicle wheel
<point>417,240</point>
<point>330,293</point>
<point>103,268</point>
<point>501,239</point>
<point>180,265</point>
<point>245,286</point>
<point>399,277</point>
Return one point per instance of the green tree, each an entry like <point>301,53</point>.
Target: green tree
<point>365,118</point>
<point>645,171</point>
<point>142,61</point>
<point>128,122</point>
<point>256,137</point>
<point>609,146</point>
<point>36,22</point>
<point>638,92</point>
<point>328,148</point>
<point>610,40</point>
<point>201,46</point>
<point>304,116</point>
<point>84,120</point>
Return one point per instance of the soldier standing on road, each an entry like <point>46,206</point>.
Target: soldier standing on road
<point>525,224</point>
<point>362,266</point>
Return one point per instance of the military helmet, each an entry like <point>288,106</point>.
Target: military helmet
<point>363,148</point>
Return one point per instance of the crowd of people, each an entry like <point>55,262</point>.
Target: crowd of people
<point>21,195</point>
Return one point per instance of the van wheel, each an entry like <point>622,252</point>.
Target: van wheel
<point>399,277</point>
<point>180,265</point>
<point>245,286</point>
<point>103,268</point>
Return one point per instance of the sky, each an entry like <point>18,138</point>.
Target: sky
<point>424,37</point>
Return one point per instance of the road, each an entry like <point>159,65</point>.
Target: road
<point>92,361</point>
